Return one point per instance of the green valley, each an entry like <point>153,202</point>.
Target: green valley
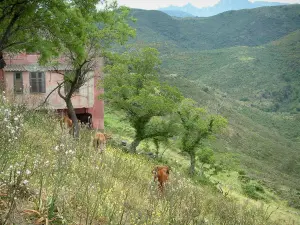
<point>244,65</point>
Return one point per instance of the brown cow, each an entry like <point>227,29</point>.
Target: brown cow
<point>161,173</point>
<point>66,122</point>
<point>100,140</point>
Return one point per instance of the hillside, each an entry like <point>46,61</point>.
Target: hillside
<point>246,64</point>
<point>265,77</point>
<point>255,141</point>
<point>47,177</point>
<point>250,27</point>
<point>221,6</point>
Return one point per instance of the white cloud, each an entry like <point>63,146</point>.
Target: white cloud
<point>155,4</point>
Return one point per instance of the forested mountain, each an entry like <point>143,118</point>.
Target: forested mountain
<point>246,64</point>
<point>221,6</point>
<point>235,28</point>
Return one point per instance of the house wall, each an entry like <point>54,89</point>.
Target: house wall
<point>85,97</point>
<point>84,101</point>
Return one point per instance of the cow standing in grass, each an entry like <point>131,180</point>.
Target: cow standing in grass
<point>100,140</point>
<point>67,123</point>
<point>85,118</point>
<point>161,174</point>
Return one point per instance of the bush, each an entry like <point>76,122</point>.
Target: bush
<point>251,189</point>
<point>244,99</point>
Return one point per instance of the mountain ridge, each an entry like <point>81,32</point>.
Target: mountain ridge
<point>247,27</point>
<point>222,6</point>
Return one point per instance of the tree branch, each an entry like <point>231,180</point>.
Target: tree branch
<point>59,93</point>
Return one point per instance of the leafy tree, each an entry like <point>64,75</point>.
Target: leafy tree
<point>132,85</point>
<point>197,125</point>
<point>33,25</point>
<point>205,156</point>
<point>102,29</point>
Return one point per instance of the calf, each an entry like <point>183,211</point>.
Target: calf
<point>66,122</point>
<point>100,140</point>
<point>161,173</point>
<point>85,118</point>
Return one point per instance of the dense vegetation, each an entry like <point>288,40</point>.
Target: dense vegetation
<point>266,76</point>
<point>245,65</point>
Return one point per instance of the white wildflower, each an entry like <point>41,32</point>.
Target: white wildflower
<point>25,182</point>
<point>19,172</point>
<point>28,172</point>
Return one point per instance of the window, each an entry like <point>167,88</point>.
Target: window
<point>18,83</point>
<point>37,82</point>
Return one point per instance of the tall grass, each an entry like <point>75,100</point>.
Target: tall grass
<point>49,178</point>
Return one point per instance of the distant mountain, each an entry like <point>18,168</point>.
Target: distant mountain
<point>222,6</point>
<point>248,27</point>
<point>177,13</point>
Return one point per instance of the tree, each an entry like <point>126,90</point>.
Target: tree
<point>132,85</point>
<point>101,29</point>
<point>29,25</point>
<point>205,156</point>
<point>197,125</point>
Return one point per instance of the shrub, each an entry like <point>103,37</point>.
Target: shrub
<point>251,189</point>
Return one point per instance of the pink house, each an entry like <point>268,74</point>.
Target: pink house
<point>28,82</point>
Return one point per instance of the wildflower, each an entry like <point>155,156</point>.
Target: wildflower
<point>25,182</point>
<point>16,118</point>
<point>56,148</point>
<point>18,172</point>
<point>28,172</point>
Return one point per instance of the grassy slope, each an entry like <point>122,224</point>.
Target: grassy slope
<point>235,156</point>
<point>256,141</point>
<point>70,183</point>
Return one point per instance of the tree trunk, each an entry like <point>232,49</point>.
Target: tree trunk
<point>134,145</point>
<point>73,118</point>
<point>193,162</point>
<point>156,146</point>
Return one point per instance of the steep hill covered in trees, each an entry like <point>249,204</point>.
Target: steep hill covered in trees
<point>250,27</point>
<point>246,64</point>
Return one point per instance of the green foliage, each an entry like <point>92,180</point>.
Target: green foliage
<point>196,125</point>
<point>206,156</point>
<point>132,85</point>
<point>253,190</point>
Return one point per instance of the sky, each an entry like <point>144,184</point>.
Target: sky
<point>155,4</point>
